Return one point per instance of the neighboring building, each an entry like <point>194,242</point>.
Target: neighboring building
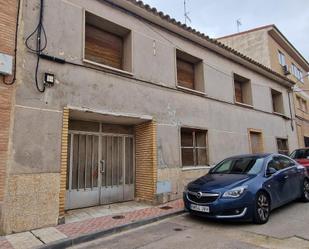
<point>135,105</point>
<point>8,20</point>
<point>270,47</point>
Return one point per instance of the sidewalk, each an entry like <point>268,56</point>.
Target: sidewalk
<point>85,230</point>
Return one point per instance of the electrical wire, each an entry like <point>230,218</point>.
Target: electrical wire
<point>15,49</point>
<point>39,52</point>
<point>109,72</point>
<point>40,46</point>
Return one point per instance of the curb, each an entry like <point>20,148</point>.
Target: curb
<point>64,243</point>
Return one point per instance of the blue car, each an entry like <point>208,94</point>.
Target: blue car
<point>247,187</point>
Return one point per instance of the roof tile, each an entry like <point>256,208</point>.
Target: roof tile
<point>207,38</point>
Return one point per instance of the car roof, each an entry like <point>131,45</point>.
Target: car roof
<point>258,155</point>
<point>306,148</point>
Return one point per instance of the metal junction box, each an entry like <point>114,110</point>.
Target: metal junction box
<point>6,64</point>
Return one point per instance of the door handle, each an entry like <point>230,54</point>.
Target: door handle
<point>286,177</point>
<point>102,169</point>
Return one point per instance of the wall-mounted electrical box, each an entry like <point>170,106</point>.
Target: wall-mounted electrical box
<point>6,64</point>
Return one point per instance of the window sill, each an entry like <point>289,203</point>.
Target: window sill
<point>279,114</point>
<point>187,168</point>
<point>108,67</point>
<point>185,89</point>
<point>244,105</point>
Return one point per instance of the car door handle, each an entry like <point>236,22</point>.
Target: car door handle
<point>286,177</point>
<point>102,169</point>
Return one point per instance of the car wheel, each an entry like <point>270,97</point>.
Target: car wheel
<point>262,208</point>
<point>305,194</point>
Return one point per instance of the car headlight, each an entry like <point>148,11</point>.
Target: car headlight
<point>235,192</point>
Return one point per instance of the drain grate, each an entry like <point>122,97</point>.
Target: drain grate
<point>165,207</point>
<point>118,217</point>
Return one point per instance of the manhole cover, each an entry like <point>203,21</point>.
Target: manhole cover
<point>178,229</point>
<point>118,217</point>
<point>166,207</point>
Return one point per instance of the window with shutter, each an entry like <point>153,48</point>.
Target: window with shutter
<point>103,47</point>
<point>106,43</point>
<point>277,101</point>
<point>242,88</point>
<point>185,73</point>
<point>190,71</point>
<point>282,145</point>
<point>238,92</point>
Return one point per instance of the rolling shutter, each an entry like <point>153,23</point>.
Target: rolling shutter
<point>185,73</point>
<point>238,92</point>
<point>103,47</point>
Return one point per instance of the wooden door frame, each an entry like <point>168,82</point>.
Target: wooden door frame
<point>259,131</point>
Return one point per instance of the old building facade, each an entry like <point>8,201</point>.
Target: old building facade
<point>271,48</point>
<point>126,104</point>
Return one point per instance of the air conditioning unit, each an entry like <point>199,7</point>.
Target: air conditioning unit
<point>286,70</point>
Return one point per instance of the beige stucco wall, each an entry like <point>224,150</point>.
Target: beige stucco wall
<point>275,65</point>
<point>302,117</point>
<point>253,44</point>
<point>261,46</point>
<point>151,91</point>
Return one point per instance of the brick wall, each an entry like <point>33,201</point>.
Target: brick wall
<point>5,111</point>
<point>8,16</point>
<point>64,160</point>
<point>146,161</point>
<point>8,12</point>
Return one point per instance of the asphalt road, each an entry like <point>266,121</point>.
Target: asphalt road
<point>288,227</point>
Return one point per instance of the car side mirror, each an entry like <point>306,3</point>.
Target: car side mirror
<point>270,171</point>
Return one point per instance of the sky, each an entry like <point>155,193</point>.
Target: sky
<point>217,18</point>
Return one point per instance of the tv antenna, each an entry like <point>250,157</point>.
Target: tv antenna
<point>238,23</point>
<point>186,13</point>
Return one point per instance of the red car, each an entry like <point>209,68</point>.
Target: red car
<point>301,156</point>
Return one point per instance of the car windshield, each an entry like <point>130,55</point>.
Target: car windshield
<point>300,154</point>
<point>246,165</point>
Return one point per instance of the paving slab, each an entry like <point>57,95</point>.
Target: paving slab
<point>5,244</point>
<point>104,210</point>
<point>87,227</point>
<point>49,234</point>
<point>25,240</point>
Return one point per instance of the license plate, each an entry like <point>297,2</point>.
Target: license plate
<point>204,209</point>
